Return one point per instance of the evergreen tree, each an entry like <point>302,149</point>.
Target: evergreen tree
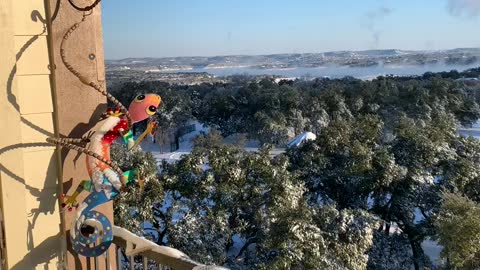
<point>458,226</point>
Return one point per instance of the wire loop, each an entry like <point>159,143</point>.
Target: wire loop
<point>87,8</point>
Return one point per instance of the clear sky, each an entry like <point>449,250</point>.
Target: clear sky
<point>158,28</point>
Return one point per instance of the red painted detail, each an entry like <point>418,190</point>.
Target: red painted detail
<point>114,133</point>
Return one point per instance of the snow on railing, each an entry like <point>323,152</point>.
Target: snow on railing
<point>165,257</point>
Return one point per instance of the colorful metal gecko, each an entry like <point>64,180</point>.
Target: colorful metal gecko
<point>91,233</point>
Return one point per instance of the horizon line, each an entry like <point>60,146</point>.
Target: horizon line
<point>271,54</point>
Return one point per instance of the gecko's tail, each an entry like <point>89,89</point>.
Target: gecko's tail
<point>91,233</point>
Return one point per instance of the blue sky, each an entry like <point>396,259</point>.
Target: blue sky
<point>158,28</point>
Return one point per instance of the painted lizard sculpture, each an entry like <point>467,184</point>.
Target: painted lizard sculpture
<point>92,227</point>
<point>91,233</point>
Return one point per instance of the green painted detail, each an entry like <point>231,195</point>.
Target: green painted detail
<point>130,175</point>
<point>87,185</point>
<point>128,136</point>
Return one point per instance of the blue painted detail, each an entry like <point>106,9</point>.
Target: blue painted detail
<point>96,244</point>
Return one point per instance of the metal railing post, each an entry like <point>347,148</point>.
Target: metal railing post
<point>132,263</point>
<point>119,258</point>
<point>166,257</point>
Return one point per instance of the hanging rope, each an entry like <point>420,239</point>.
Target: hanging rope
<point>85,80</point>
<point>75,140</point>
<point>87,8</point>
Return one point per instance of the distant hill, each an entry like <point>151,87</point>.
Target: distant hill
<point>368,58</point>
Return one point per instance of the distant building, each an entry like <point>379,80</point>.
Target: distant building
<point>302,138</point>
<point>173,139</point>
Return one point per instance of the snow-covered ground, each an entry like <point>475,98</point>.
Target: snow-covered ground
<point>432,249</point>
<point>186,146</point>
<point>473,131</point>
<point>177,155</point>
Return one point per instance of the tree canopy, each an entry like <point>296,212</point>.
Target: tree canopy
<point>366,194</point>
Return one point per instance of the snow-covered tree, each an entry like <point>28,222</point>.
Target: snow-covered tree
<point>459,231</point>
<point>365,195</point>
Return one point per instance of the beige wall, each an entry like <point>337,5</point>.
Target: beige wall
<point>28,166</point>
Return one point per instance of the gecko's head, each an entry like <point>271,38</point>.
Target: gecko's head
<point>144,106</point>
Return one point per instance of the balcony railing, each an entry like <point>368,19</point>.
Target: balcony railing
<point>165,258</point>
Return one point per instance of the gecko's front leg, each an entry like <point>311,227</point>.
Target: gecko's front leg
<point>151,128</point>
<point>70,202</point>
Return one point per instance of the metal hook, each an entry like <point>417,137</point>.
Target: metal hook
<point>87,13</point>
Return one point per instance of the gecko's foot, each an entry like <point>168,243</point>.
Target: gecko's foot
<point>122,188</point>
<point>117,112</point>
<point>141,184</point>
<point>69,202</point>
